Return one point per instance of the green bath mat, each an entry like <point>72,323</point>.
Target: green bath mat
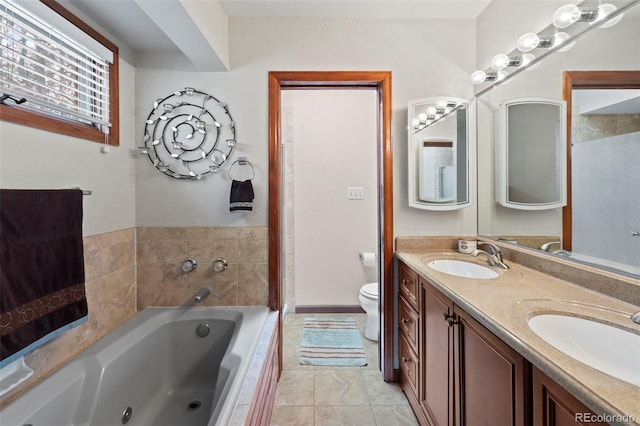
<point>332,341</point>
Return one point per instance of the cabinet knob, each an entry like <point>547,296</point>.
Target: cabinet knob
<point>450,319</point>
<point>406,360</point>
<point>405,320</point>
<point>405,281</point>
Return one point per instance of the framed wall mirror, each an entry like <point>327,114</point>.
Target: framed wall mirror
<point>531,153</point>
<point>441,137</point>
<point>563,231</point>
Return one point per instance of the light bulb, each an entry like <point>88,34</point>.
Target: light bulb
<point>566,15</point>
<point>527,58</point>
<point>527,42</point>
<point>500,62</point>
<point>415,123</point>
<point>431,110</point>
<point>478,77</point>
<point>559,39</point>
<point>441,104</point>
<point>422,118</point>
<point>605,10</point>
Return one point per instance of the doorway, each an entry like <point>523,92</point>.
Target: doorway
<point>329,197</point>
<point>583,80</point>
<point>380,81</point>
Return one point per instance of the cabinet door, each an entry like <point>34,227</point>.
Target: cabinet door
<point>490,377</point>
<point>554,406</point>
<point>436,397</point>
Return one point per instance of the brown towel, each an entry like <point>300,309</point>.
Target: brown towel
<point>42,267</point>
<point>241,197</point>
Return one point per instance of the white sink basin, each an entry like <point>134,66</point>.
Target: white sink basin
<point>606,348</point>
<point>460,268</point>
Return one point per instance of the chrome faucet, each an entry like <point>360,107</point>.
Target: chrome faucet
<point>189,264</point>
<point>547,246</point>
<point>560,251</point>
<point>636,317</point>
<point>493,255</point>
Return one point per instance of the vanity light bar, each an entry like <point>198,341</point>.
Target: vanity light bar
<point>563,17</point>
<point>434,114</point>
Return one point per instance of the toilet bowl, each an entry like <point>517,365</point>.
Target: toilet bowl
<point>369,301</point>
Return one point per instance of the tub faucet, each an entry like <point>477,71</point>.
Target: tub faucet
<point>493,255</point>
<point>201,294</point>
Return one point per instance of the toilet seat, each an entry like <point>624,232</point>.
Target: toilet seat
<point>370,290</point>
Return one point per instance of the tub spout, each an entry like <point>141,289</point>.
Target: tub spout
<point>201,294</point>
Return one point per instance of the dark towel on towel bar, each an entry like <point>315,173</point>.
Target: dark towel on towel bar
<point>241,195</point>
<point>42,268</point>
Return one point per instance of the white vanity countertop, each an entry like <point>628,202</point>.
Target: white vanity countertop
<point>506,303</point>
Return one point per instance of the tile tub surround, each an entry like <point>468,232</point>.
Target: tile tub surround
<point>161,251</point>
<point>110,278</point>
<point>505,304</point>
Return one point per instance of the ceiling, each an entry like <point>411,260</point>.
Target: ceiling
<point>366,9</point>
<point>135,23</point>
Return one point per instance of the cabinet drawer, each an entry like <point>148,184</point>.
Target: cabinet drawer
<point>409,366</point>
<point>408,321</point>
<point>408,284</point>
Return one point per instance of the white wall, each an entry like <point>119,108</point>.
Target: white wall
<point>427,58</point>
<point>33,158</point>
<point>335,147</point>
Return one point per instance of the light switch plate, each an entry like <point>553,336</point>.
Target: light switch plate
<point>355,193</point>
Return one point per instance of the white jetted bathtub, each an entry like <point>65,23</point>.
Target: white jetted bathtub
<point>163,367</point>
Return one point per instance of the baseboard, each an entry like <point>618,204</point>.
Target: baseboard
<point>337,309</point>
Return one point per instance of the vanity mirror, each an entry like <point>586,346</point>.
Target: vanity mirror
<point>441,135</point>
<point>603,150</point>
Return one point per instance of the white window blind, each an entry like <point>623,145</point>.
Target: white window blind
<point>57,74</point>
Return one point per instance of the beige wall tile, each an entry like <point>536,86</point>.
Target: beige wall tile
<point>158,233</point>
<point>244,282</point>
<point>208,250</point>
<point>110,291</point>
<point>160,284</point>
<point>162,250</point>
<point>253,284</point>
<point>209,232</point>
<point>628,123</point>
<point>117,297</point>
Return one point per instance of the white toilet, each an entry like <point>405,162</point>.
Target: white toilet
<point>369,301</point>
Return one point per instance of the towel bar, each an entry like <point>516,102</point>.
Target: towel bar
<point>84,191</point>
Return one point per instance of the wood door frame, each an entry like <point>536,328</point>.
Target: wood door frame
<point>575,80</point>
<point>381,82</point>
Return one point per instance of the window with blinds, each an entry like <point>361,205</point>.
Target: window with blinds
<point>60,70</point>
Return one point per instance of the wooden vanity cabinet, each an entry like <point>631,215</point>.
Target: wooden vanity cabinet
<point>459,373</point>
<point>554,406</point>
<point>409,337</point>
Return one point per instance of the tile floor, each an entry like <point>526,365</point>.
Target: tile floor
<point>340,396</point>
